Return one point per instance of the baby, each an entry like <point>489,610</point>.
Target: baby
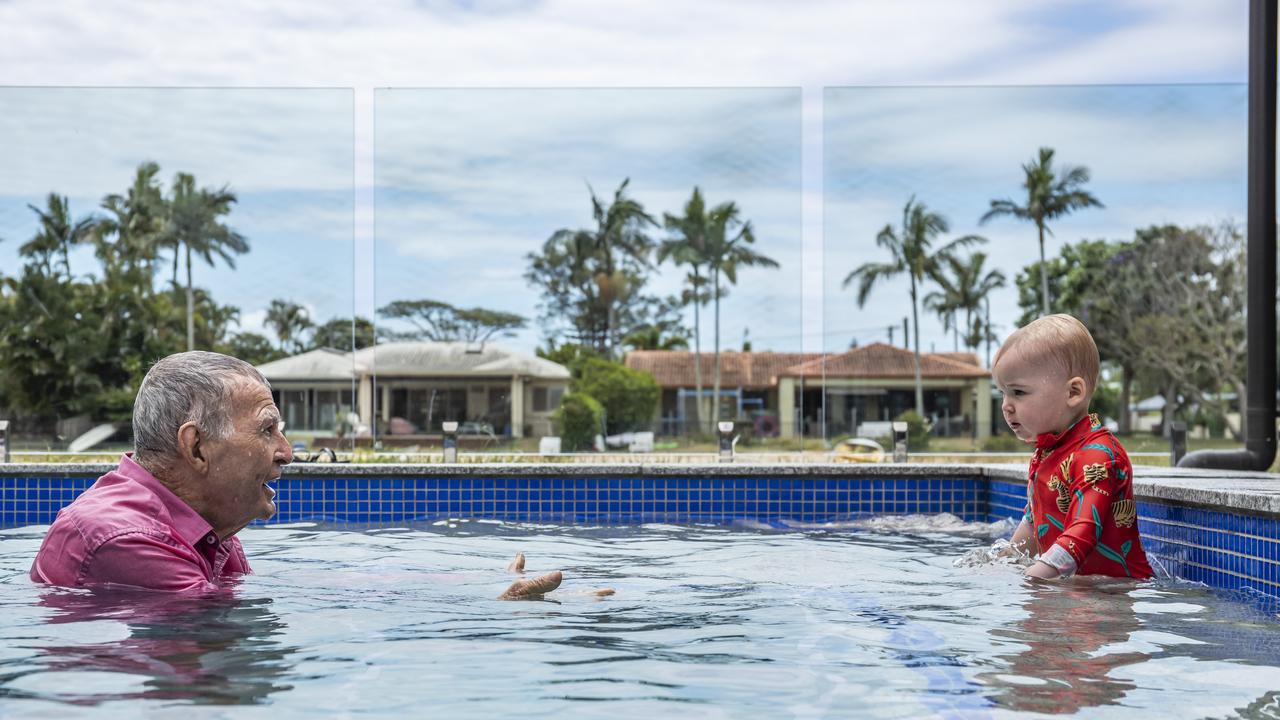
<point>1080,515</point>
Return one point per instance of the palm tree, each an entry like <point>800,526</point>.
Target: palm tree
<point>194,226</point>
<point>1050,195</point>
<point>728,238</point>
<point>912,253</point>
<point>58,232</point>
<point>288,320</point>
<point>617,241</point>
<point>654,337</point>
<point>136,219</point>
<point>945,303</point>
<point>964,287</point>
<point>688,246</point>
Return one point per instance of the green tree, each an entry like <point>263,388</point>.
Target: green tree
<point>52,350</point>
<point>687,246</point>
<point>441,322</point>
<point>289,321</point>
<point>578,420</point>
<point>57,235</point>
<point>1084,282</point>
<point>655,337</point>
<point>592,278</point>
<point>195,227</point>
<point>251,347</point>
<point>911,251</point>
<point>571,355</point>
<point>344,334</point>
<point>965,285</point>
<point>728,248</point>
<point>136,221</point>
<point>1051,194</point>
<point>628,396</point>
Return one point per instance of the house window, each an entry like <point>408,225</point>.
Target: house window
<point>547,399</point>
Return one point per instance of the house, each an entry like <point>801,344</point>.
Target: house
<point>788,394</point>
<point>413,387</point>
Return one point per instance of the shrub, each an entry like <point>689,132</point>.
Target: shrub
<point>577,421</point>
<point>628,396</point>
<point>917,431</point>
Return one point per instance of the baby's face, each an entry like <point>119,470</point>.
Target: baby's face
<point>1037,396</point>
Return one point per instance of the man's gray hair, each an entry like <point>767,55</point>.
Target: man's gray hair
<point>187,387</point>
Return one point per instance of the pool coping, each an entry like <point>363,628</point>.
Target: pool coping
<point>1255,493</point>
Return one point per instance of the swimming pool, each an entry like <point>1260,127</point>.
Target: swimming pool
<point>866,619</point>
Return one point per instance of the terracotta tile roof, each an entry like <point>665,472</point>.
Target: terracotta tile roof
<point>752,370</point>
<point>761,370</point>
<point>968,358</point>
<point>879,360</point>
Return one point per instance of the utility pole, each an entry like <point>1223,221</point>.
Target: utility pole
<point>906,339</point>
<point>891,329</point>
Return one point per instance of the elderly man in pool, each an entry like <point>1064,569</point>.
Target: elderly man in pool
<point>207,441</point>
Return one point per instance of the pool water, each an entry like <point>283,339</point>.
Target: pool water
<point>862,620</point>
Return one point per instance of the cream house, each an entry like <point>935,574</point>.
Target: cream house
<point>413,387</point>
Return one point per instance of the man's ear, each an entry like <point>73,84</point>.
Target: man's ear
<point>1075,392</point>
<point>191,447</point>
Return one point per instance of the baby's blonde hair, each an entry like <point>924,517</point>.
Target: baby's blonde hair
<point>1060,340</point>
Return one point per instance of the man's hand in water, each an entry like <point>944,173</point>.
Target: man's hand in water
<point>539,586</point>
<point>532,589</point>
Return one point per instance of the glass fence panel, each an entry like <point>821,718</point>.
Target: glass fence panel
<point>933,243</point>
<point>547,263</point>
<point>136,223</point>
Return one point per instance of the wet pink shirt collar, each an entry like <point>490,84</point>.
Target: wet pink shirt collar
<point>129,529</point>
<point>186,521</point>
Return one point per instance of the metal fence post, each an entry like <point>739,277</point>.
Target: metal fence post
<point>1177,442</point>
<point>726,440</point>
<point>450,441</point>
<point>899,442</point>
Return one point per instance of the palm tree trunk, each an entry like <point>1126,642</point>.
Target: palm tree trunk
<point>969,334</point>
<point>698,415</point>
<point>715,399</point>
<point>1044,276</point>
<point>915,329</point>
<point>191,322</point>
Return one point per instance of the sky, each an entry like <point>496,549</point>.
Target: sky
<point>422,149</point>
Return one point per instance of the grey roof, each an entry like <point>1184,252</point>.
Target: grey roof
<point>437,359</point>
<point>322,364</point>
<point>414,359</point>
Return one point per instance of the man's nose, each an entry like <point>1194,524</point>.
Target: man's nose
<point>285,454</point>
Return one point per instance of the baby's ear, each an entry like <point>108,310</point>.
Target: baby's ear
<point>1076,392</point>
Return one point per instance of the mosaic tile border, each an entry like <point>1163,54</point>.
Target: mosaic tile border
<point>593,500</point>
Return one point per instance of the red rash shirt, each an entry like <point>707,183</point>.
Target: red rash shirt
<point>1080,497</point>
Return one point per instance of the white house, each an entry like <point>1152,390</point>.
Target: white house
<point>413,387</point>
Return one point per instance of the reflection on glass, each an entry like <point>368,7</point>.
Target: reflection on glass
<point>214,649</point>
<point>135,223</point>
<point>934,238</point>
<point>620,263</point>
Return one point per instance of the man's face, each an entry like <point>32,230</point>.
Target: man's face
<point>1037,396</point>
<point>236,490</point>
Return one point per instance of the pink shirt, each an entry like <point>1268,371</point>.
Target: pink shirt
<point>128,529</point>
